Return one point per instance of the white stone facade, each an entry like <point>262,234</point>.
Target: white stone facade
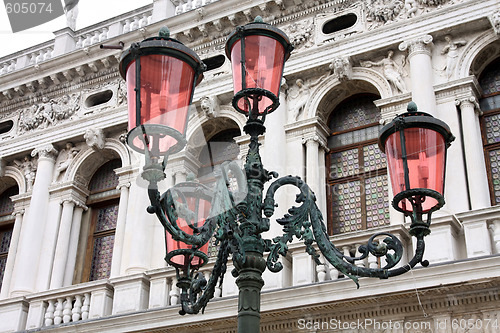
<point>67,106</point>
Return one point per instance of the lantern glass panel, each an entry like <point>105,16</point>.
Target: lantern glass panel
<point>264,61</point>
<point>166,91</point>
<point>201,210</point>
<point>426,155</point>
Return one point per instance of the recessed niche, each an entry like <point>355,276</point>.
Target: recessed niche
<point>214,62</point>
<point>6,126</point>
<point>340,23</point>
<point>98,98</point>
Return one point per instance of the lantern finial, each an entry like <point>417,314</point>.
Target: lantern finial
<point>412,107</point>
<point>164,32</point>
<point>258,19</point>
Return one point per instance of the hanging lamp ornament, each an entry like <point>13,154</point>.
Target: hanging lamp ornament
<point>161,74</point>
<point>258,52</point>
<point>416,144</point>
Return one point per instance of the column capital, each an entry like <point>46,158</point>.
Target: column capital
<point>418,45</point>
<point>46,151</point>
<point>18,212</point>
<point>123,185</point>
<point>74,202</point>
<point>470,101</point>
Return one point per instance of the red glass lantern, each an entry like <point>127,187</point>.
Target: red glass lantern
<point>161,74</point>
<point>415,144</point>
<point>258,53</point>
<point>192,203</point>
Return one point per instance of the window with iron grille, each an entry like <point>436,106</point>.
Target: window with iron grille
<point>490,126</point>
<point>357,182</point>
<point>6,226</point>
<point>104,215</point>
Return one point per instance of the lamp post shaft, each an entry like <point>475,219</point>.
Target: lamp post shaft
<point>250,283</point>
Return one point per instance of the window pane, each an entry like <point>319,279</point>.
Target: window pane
<point>355,112</point>
<point>6,204</point>
<point>344,139</point>
<point>377,202</point>
<point>346,207</point>
<point>106,218</point>
<point>101,257</point>
<point>5,237</point>
<point>492,128</point>
<point>373,158</point>
<point>105,178</point>
<point>3,263</point>
<point>344,163</point>
<point>494,161</point>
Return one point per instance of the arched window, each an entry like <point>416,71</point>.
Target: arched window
<point>357,178</point>
<point>220,148</point>
<point>490,125</point>
<point>6,226</point>
<point>103,204</point>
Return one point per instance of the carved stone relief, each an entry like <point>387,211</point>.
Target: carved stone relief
<point>298,95</point>
<point>495,21</point>
<point>65,158</point>
<point>341,68</point>
<point>210,106</point>
<point>300,33</point>
<point>48,112</point>
<point>451,50</point>
<point>392,70</point>
<point>28,166</point>
<point>94,137</point>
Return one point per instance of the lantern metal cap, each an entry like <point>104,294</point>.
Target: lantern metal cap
<point>413,118</point>
<point>162,44</point>
<point>259,27</point>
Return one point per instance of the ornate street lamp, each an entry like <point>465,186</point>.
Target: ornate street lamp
<point>415,144</point>
<point>192,213</point>
<point>161,74</point>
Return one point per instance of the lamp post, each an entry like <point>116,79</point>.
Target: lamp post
<point>192,213</point>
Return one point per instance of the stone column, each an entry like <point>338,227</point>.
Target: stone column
<point>73,244</point>
<point>421,72</point>
<point>27,258</point>
<point>474,157</point>
<point>120,230</point>
<point>62,247</point>
<point>9,265</point>
<point>312,166</point>
<point>321,195</point>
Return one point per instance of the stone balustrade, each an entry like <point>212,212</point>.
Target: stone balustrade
<point>183,6</point>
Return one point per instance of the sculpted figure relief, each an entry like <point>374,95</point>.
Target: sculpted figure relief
<point>210,106</point>
<point>451,51</point>
<point>392,71</point>
<point>341,68</point>
<point>71,10</point>
<point>29,170</point>
<point>94,137</point>
<point>70,151</point>
<point>298,95</point>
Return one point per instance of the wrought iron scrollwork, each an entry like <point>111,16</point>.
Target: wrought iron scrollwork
<point>306,223</point>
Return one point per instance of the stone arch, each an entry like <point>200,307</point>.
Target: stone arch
<point>478,54</point>
<point>331,92</point>
<point>201,132</point>
<point>88,161</point>
<point>13,176</point>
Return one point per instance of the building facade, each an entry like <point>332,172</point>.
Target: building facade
<point>79,252</point>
